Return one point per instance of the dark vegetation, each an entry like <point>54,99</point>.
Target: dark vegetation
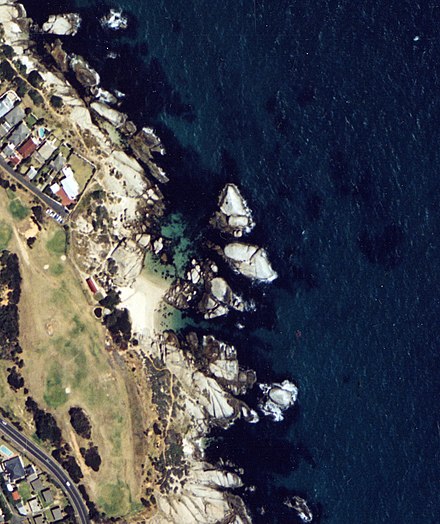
<point>10,281</point>
<point>91,457</point>
<point>111,300</point>
<point>56,102</point>
<point>6,71</point>
<point>35,79</point>
<point>36,98</point>
<point>80,422</point>
<point>118,323</point>
<point>93,512</point>
<point>31,241</point>
<point>7,51</point>
<point>15,380</point>
<point>21,86</point>
<point>38,213</point>
<point>45,424</point>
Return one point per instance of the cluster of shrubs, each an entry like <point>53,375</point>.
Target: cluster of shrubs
<point>9,317</point>
<point>45,424</point>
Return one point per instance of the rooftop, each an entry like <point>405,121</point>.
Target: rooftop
<point>19,135</point>
<point>28,148</point>
<point>47,495</point>
<point>56,514</point>
<point>15,116</point>
<point>36,485</point>
<point>15,468</point>
<point>45,151</point>
<point>7,102</point>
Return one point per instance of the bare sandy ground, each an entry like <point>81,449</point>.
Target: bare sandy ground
<point>143,300</point>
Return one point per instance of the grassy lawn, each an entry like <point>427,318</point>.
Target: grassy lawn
<point>55,394</point>
<point>82,169</point>
<point>5,234</point>
<point>57,269</point>
<point>67,364</point>
<point>114,494</point>
<point>18,210</point>
<point>25,491</point>
<point>30,120</point>
<point>57,243</point>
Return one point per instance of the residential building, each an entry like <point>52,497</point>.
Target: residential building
<point>15,116</point>
<point>14,468</point>
<point>30,472</point>
<point>28,147</point>
<point>4,129</point>
<point>19,135</point>
<point>69,183</point>
<point>43,153</point>
<point>59,191</point>
<point>47,496</point>
<point>21,509</point>
<point>7,102</point>
<point>34,505</point>
<point>31,173</point>
<point>38,519</point>
<point>58,163</point>
<point>36,485</point>
<point>56,514</point>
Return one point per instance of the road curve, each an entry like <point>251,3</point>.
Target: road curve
<point>48,464</point>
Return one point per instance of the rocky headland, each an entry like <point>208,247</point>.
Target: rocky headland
<point>192,379</point>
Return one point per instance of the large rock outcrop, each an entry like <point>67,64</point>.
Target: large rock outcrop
<point>116,118</point>
<point>219,298</point>
<point>63,24</point>
<point>277,398</point>
<point>234,216</point>
<point>85,74</point>
<point>249,260</point>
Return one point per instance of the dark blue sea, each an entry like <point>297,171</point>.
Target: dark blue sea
<point>327,115</point>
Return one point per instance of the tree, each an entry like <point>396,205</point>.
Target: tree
<point>36,98</point>
<point>7,51</point>
<point>6,71</point>
<point>35,79</point>
<point>56,102</point>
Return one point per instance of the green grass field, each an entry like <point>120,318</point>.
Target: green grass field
<point>25,491</point>
<point>55,394</point>
<point>5,235</point>
<point>114,493</point>
<point>57,244</point>
<point>57,269</point>
<point>18,210</point>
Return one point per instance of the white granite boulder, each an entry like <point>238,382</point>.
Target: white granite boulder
<point>64,24</point>
<point>250,260</point>
<point>234,216</point>
<point>277,398</point>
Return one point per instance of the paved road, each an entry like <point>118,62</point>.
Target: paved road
<point>58,208</point>
<point>47,463</point>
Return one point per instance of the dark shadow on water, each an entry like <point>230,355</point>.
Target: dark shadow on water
<point>385,247</point>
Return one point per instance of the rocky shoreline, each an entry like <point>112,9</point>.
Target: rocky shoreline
<point>194,379</point>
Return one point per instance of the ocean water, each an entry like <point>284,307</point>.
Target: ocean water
<point>327,115</point>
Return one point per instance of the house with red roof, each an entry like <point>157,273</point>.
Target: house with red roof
<point>28,147</point>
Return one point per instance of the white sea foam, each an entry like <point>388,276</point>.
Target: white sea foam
<point>114,20</point>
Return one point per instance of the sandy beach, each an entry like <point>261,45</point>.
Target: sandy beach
<point>143,300</point>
